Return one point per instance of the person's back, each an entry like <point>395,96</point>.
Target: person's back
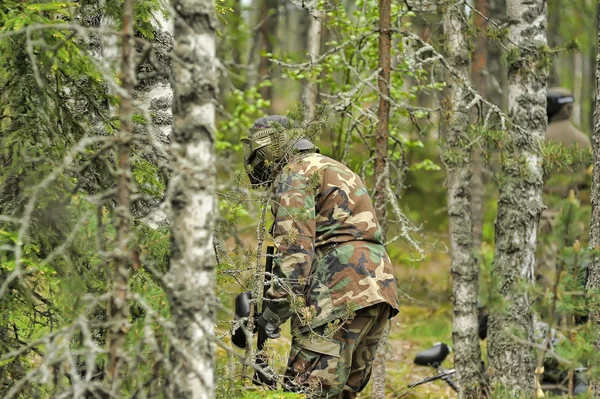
<point>353,266</point>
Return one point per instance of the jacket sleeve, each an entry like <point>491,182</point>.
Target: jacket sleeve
<point>294,232</point>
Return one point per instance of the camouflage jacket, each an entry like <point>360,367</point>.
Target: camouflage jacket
<point>330,259</point>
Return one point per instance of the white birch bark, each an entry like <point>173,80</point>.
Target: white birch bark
<point>456,153</point>
<point>154,97</point>
<point>520,203</point>
<point>594,273</point>
<point>192,200</point>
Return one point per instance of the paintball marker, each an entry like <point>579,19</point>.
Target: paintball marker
<point>238,336</point>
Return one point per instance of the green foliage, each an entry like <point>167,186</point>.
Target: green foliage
<point>271,395</point>
<point>53,98</point>
<point>566,304</point>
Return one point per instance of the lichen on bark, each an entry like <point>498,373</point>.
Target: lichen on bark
<point>593,283</point>
<point>511,362</point>
<point>456,153</point>
<point>192,200</point>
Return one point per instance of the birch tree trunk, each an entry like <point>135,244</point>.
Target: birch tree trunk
<point>456,154</point>
<point>478,76</point>
<point>192,200</point>
<point>594,274</point>
<point>154,97</point>
<point>520,200</point>
<point>382,168</point>
<point>118,310</point>
<point>310,90</point>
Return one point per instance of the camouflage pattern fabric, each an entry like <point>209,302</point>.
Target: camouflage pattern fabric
<point>330,260</point>
<point>340,366</point>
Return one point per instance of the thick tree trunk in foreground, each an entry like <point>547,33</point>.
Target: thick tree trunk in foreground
<point>192,199</point>
<point>479,78</point>
<point>382,168</point>
<point>520,202</point>
<point>594,276</point>
<point>456,154</point>
<point>118,311</point>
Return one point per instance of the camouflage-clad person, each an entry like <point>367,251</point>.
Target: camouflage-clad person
<point>334,278</point>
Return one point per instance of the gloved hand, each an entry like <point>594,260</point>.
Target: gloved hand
<point>271,330</point>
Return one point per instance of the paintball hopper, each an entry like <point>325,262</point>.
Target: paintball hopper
<point>242,309</point>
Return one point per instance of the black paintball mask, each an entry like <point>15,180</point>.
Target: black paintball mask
<point>267,148</point>
<point>556,100</point>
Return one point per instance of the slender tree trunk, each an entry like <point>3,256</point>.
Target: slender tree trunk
<point>554,39</point>
<point>237,33</point>
<point>118,313</point>
<point>456,154</point>
<point>382,168</point>
<point>497,86</point>
<point>520,201</point>
<point>591,122</point>
<point>578,87</point>
<point>192,200</point>
<point>268,32</point>
<point>594,274</point>
<point>478,76</point>
<point>310,90</point>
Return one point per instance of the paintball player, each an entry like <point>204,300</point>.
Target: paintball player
<point>559,109</point>
<point>332,275</point>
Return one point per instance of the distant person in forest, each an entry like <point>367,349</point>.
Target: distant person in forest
<point>559,109</point>
<point>332,274</point>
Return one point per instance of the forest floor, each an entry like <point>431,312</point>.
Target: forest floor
<point>425,319</point>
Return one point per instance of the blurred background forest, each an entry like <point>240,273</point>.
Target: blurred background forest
<point>317,59</point>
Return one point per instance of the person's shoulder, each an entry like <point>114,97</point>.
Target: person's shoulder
<point>310,163</point>
<point>564,132</point>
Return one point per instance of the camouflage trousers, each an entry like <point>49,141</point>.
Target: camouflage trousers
<point>339,366</point>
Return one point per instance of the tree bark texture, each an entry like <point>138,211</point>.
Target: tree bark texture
<point>154,92</point>
<point>192,200</point>
<point>310,90</point>
<point>118,311</point>
<point>479,78</point>
<point>154,96</point>
<point>496,79</point>
<point>456,154</point>
<point>382,167</point>
<point>520,202</point>
<point>594,274</point>
<point>268,32</point>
